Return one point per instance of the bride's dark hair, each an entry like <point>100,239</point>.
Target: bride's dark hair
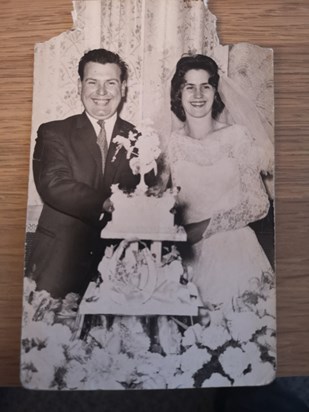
<point>195,62</point>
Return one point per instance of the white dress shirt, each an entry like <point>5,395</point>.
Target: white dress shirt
<point>109,125</point>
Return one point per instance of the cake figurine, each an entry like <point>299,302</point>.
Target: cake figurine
<point>143,149</point>
<point>139,214</point>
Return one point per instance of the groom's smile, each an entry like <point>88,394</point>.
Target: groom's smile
<point>101,89</point>
<point>102,102</point>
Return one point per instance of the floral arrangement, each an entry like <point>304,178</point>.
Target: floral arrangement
<point>235,348</point>
<point>143,149</point>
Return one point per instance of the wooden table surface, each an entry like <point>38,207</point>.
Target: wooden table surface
<point>281,24</point>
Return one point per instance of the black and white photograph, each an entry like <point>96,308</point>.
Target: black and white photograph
<point>149,254</point>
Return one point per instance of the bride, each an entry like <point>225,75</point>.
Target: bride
<point>218,169</point>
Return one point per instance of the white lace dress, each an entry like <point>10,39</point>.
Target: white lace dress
<point>220,180</point>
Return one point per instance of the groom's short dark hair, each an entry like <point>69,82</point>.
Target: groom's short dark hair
<point>102,56</point>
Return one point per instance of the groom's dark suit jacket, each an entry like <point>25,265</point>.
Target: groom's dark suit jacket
<point>67,169</point>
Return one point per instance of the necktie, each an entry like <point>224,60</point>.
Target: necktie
<point>102,143</point>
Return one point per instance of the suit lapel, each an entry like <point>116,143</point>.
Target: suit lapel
<point>86,139</point>
<point>113,162</point>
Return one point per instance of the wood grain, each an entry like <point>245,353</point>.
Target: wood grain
<point>280,24</point>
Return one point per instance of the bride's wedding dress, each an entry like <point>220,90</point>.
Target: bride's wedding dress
<point>219,179</point>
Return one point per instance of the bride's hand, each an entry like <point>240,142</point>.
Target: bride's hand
<point>196,230</point>
<point>108,206</point>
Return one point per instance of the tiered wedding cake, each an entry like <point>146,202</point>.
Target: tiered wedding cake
<point>138,278</point>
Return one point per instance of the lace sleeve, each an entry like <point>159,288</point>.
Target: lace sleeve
<point>253,203</point>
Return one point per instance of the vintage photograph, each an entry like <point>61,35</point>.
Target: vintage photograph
<point>149,255</point>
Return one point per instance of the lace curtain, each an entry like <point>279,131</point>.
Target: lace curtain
<point>150,36</point>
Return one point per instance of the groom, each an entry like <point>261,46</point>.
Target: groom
<point>74,168</point>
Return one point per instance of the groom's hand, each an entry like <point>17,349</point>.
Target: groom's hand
<point>108,206</point>
<point>196,230</point>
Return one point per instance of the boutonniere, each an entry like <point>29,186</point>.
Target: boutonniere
<point>128,143</point>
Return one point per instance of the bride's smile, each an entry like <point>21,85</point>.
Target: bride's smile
<point>197,94</point>
<point>198,104</point>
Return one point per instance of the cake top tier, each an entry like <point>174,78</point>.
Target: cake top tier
<point>143,217</point>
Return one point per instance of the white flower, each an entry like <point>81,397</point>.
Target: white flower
<point>123,368</point>
<point>192,335</point>
<point>38,368</point>
<point>42,301</point>
<point>37,332</point>
<point>57,334</point>
<point>260,296</point>
<point>100,360</point>
<point>218,318</point>
<point>154,370</point>
<point>148,365</point>
<point>216,381</point>
<point>243,325</point>
<point>170,366</point>
<point>70,304</point>
<point>269,341</point>
<point>77,350</point>
<point>76,374</point>
<point>148,371</point>
<point>269,321</point>
<point>99,368</point>
<point>252,351</point>
<point>234,362</point>
<point>38,305</point>
<point>262,373</point>
<point>214,336</point>
<point>194,359</point>
<point>44,348</point>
